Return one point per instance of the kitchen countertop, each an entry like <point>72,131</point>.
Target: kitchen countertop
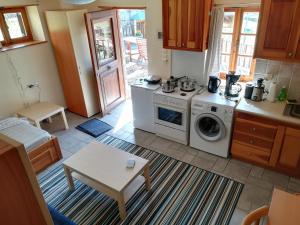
<point>266,109</point>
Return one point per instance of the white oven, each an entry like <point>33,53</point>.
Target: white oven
<point>170,116</point>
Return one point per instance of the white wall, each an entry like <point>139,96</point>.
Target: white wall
<point>32,64</point>
<point>187,63</point>
<point>35,23</point>
<point>157,65</point>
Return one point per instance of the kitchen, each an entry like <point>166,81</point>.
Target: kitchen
<point>254,118</point>
<point>262,118</point>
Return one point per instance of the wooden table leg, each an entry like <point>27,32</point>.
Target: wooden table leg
<point>69,178</point>
<point>147,177</point>
<point>65,119</point>
<point>37,124</point>
<point>122,207</point>
<point>49,119</point>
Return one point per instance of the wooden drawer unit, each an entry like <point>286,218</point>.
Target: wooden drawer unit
<point>253,138</point>
<point>242,151</point>
<point>255,128</point>
<point>253,141</point>
<point>266,142</point>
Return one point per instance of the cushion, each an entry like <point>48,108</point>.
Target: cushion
<point>58,218</point>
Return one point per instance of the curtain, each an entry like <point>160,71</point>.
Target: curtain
<point>213,55</point>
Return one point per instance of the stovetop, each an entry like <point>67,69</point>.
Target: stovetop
<point>179,94</point>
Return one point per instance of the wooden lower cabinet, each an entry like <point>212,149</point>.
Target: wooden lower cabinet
<point>289,158</point>
<point>267,143</point>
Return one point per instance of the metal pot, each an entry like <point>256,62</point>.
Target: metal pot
<point>168,86</point>
<point>187,84</point>
<point>176,80</point>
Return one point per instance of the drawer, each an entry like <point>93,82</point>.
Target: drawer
<point>249,153</point>
<point>251,140</point>
<point>254,128</point>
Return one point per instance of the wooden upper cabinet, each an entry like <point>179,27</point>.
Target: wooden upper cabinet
<point>186,24</point>
<point>278,33</point>
<point>289,158</point>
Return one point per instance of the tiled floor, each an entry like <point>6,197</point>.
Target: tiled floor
<point>259,182</point>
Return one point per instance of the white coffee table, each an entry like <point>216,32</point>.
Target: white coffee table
<point>103,168</point>
<point>43,110</point>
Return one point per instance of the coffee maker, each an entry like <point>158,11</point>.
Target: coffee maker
<point>232,89</point>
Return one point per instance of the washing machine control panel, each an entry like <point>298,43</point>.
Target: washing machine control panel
<point>224,112</point>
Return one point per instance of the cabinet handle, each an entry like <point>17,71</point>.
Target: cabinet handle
<point>251,141</point>
<point>253,129</point>
<point>290,54</point>
<point>182,44</point>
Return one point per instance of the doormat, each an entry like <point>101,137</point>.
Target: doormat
<point>94,127</point>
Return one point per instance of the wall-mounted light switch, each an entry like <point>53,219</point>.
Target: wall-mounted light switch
<point>160,35</point>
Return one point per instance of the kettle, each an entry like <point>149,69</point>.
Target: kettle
<point>213,84</point>
<point>258,91</point>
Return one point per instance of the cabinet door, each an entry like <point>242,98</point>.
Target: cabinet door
<point>278,19</point>
<point>289,158</point>
<point>195,24</point>
<point>294,44</point>
<point>186,24</point>
<point>170,22</point>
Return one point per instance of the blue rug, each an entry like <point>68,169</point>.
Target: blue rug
<point>94,127</point>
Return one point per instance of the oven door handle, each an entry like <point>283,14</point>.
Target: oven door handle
<point>169,108</point>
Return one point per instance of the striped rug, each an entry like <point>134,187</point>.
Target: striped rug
<point>181,194</point>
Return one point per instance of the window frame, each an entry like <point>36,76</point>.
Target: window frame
<point>4,28</point>
<point>236,34</point>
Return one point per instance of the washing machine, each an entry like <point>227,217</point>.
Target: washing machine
<point>211,123</point>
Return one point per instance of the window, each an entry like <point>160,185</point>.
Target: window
<point>238,41</point>
<point>14,26</point>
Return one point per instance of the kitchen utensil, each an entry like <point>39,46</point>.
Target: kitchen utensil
<point>271,97</point>
<point>168,86</point>
<point>258,91</point>
<point>249,91</point>
<point>152,79</point>
<point>213,84</point>
<point>187,84</point>
<point>175,80</point>
<point>232,89</point>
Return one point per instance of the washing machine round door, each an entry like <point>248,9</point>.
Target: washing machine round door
<point>210,127</point>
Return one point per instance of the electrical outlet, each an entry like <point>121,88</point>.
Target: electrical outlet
<point>33,85</point>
